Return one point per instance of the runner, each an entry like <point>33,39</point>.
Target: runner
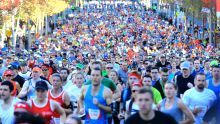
<point>28,89</point>
<point>123,72</point>
<point>146,114</point>
<point>131,105</point>
<point>8,102</point>
<point>213,113</point>
<point>64,72</point>
<point>159,85</point>
<point>60,96</point>
<point>15,67</point>
<point>199,99</point>
<point>133,77</point>
<point>214,81</point>
<point>174,106</point>
<point>184,81</point>
<point>7,76</point>
<point>97,100</point>
<point>147,82</point>
<point>25,73</point>
<point>45,107</point>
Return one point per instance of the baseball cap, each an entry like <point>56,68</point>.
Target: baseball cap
<point>185,65</point>
<point>41,85</point>
<point>36,69</point>
<point>134,65</point>
<point>8,72</point>
<point>14,66</point>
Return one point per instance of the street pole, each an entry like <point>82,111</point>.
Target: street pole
<point>210,26</point>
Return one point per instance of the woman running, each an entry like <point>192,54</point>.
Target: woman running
<point>45,107</point>
<point>174,106</point>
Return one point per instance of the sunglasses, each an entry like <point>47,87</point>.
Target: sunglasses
<point>44,69</point>
<point>109,67</point>
<point>133,91</point>
<point>8,75</point>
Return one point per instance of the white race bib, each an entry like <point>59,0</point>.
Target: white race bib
<point>94,114</point>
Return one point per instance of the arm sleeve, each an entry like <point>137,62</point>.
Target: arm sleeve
<point>157,97</point>
<point>113,86</point>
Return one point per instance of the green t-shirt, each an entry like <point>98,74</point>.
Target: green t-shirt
<point>106,82</point>
<point>104,73</point>
<point>157,96</point>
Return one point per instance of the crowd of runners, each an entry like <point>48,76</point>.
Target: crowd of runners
<point>111,65</point>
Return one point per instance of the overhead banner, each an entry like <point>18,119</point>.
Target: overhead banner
<point>218,8</point>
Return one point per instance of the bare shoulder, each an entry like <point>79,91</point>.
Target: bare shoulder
<point>84,90</point>
<point>52,102</point>
<point>180,103</point>
<point>107,90</point>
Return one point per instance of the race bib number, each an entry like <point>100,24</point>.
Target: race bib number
<point>94,114</point>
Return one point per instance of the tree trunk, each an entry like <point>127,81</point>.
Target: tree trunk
<point>13,31</point>
<point>46,26</point>
<point>193,23</point>
<point>3,35</point>
<point>29,35</point>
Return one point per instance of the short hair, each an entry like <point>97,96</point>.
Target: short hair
<point>9,84</point>
<point>201,74</point>
<point>147,76</point>
<point>97,69</point>
<point>206,61</point>
<point>215,66</point>
<point>197,60</point>
<point>155,68</point>
<point>144,90</point>
<point>79,73</point>
<point>164,69</point>
<point>68,72</point>
<point>25,117</point>
<point>97,62</point>
<point>174,85</point>
<point>114,72</point>
<point>57,75</point>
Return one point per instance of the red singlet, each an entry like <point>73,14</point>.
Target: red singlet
<point>46,112</point>
<point>59,99</point>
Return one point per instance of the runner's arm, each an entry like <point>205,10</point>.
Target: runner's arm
<point>108,98</point>
<point>117,94</point>
<point>60,110</point>
<point>80,101</point>
<point>190,117</point>
<point>24,90</point>
<point>67,104</point>
<point>18,87</point>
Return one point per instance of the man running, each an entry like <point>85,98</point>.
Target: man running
<point>7,106</point>
<point>147,115</point>
<point>97,99</point>
<point>199,99</point>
